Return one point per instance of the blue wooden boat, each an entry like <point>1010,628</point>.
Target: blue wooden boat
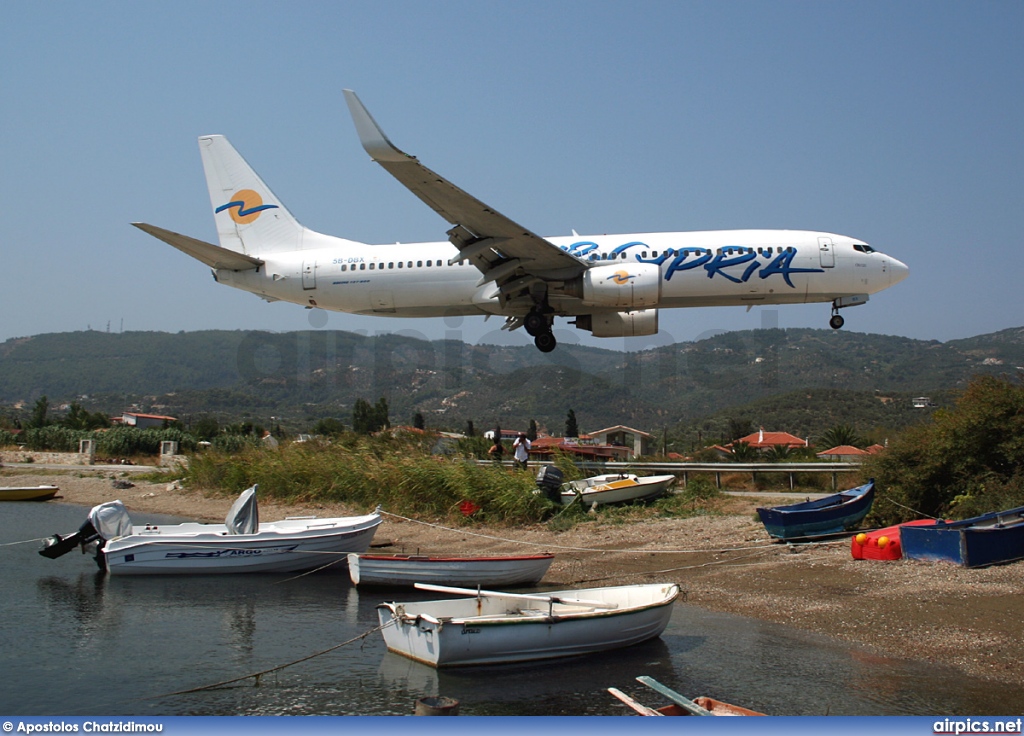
<point>990,539</point>
<point>830,515</point>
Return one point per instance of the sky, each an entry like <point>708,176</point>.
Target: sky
<point>898,123</point>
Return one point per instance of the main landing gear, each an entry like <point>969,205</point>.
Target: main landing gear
<point>837,320</point>
<point>538,326</point>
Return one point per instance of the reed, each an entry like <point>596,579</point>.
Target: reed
<point>400,476</point>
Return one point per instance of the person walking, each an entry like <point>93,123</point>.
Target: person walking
<point>521,450</point>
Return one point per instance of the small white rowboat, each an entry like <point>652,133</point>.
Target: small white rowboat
<point>489,627</point>
<point>407,570</point>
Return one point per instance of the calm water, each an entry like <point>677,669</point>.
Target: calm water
<point>75,642</point>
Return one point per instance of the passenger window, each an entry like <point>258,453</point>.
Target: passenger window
<point>429,263</point>
<point>391,265</point>
<point>362,266</point>
<point>399,264</point>
<point>372,266</point>
<point>419,264</point>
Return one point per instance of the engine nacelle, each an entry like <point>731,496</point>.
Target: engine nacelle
<point>620,324</point>
<point>619,286</point>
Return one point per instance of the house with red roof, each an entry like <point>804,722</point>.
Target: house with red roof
<point>844,454</point>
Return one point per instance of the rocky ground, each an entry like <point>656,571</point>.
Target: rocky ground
<point>969,619</point>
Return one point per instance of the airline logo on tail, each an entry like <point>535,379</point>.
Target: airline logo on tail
<point>245,206</point>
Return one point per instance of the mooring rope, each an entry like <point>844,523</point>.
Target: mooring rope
<point>26,541</point>
<point>258,675</point>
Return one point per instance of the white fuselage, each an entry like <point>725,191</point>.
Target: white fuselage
<point>697,269</point>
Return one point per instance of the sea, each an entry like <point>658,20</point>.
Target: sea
<point>77,642</point>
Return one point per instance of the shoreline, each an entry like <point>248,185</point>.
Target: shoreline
<point>971,620</point>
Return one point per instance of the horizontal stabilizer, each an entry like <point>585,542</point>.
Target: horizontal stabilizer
<point>212,255</point>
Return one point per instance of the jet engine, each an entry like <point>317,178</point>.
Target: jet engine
<point>620,286</point>
<point>620,324</point>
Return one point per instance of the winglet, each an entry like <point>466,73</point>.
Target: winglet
<point>370,134</point>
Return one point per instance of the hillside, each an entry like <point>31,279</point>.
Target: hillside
<point>294,378</point>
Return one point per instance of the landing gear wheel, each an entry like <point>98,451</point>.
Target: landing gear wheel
<point>836,322</point>
<point>545,342</point>
<point>535,324</point>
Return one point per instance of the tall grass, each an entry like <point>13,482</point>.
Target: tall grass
<point>363,473</point>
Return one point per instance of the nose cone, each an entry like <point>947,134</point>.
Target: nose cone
<point>897,271</point>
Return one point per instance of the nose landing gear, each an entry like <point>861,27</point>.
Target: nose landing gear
<point>837,320</point>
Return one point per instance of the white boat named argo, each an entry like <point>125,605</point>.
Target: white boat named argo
<point>240,544</point>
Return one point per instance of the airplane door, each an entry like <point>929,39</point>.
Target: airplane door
<point>825,250</point>
<point>309,275</point>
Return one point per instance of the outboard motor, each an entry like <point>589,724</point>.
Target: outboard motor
<point>107,521</point>
<point>57,545</point>
<point>549,482</point>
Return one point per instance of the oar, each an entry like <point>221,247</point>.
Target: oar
<point>638,707</point>
<point>674,696</point>
<point>518,596</point>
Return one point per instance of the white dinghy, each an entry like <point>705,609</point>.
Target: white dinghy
<point>490,627</point>
<point>240,544</point>
<point>407,570</point>
<point>615,488</point>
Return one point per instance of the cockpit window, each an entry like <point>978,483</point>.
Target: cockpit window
<point>863,248</point>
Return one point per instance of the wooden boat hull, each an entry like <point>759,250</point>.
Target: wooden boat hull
<point>991,539</point>
<point>616,489</point>
<point>498,629</point>
<point>28,493</point>
<point>830,515</point>
<point>283,546</point>
<point>407,570</point>
<point>717,708</point>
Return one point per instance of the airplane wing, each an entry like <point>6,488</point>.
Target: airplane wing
<point>504,251</point>
<point>212,255</point>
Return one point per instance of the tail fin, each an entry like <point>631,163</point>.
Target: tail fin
<point>250,219</point>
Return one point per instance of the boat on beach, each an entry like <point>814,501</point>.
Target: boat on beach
<point>241,544</point>
<point>829,515</point>
<point>490,627</point>
<point>681,705</point>
<point>407,570</point>
<point>28,493</point>
<point>615,488</point>
<point>990,539</point>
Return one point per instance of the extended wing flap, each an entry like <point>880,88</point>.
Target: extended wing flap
<point>212,255</point>
<point>476,223</point>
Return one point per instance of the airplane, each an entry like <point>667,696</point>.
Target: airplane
<point>609,285</point>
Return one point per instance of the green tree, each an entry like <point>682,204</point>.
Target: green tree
<point>205,428</point>
<point>470,429</point>
<point>780,454</point>
<point>328,427</point>
<point>418,422</point>
<point>367,418</point>
<point>744,453</point>
<point>81,419</point>
<point>572,429</point>
<point>38,418</point>
<point>841,434</point>
<point>965,461</point>
<point>531,432</point>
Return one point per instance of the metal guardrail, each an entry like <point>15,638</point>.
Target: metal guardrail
<point>683,470</point>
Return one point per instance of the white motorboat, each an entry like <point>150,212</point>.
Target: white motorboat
<point>406,570</point>
<point>490,627</point>
<point>240,544</point>
<point>615,488</point>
